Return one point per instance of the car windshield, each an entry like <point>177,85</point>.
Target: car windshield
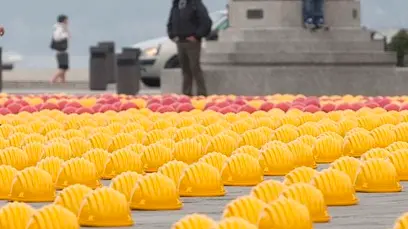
<point>216,16</point>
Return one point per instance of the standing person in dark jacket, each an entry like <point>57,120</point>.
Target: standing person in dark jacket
<point>188,23</point>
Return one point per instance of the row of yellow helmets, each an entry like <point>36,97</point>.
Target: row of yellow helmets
<point>360,130</point>
<point>85,207</point>
<point>302,198</point>
<point>303,195</point>
<point>250,128</point>
<point>188,144</point>
<point>73,171</point>
<point>285,147</point>
<point>163,129</point>
<point>242,161</point>
<point>191,125</point>
<point>273,158</point>
<point>213,138</point>
<point>210,125</point>
<point>293,116</point>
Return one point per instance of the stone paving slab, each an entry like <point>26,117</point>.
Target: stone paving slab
<point>43,75</point>
<point>375,211</point>
<point>40,79</point>
<point>143,91</point>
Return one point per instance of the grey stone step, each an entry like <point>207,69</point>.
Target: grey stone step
<point>31,91</point>
<point>73,87</point>
<point>293,46</point>
<point>308,80</point>
<point>289,34</point>
<point>46,85</point>
<point>286,58</point>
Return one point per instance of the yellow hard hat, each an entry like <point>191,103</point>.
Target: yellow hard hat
<point>105,207</point>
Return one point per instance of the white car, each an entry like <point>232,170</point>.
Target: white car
<point>160,53</point>
<point>9,59</point>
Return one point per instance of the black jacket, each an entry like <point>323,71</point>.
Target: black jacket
<point>191,20</point>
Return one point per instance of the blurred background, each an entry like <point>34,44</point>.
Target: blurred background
<point>29,24</point>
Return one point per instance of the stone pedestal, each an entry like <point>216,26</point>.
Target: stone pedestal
<point>318,80</point>
<point>266,50</point>
<point>288,13</point>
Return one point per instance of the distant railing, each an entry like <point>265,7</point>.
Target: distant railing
<point>383,38</point>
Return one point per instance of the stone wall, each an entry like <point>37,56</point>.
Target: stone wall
<point>266,51</point>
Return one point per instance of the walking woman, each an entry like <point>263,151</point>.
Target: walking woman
<point>59,43</point>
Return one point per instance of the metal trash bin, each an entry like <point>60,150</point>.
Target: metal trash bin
<point>98,80</point>
<point>133,51</point>
<point>110,61</point>
<point>128,73</point>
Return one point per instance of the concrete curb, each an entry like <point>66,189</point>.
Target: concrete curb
<point>70,85</point>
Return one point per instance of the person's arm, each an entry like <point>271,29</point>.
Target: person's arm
<point>170,25</point>
<point>204,21</point>
<point>60,34</point>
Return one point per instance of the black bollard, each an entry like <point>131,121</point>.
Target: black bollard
<point>1,70</point>
<point>110,60</point>
<point>98,80</point>
<point>133,51</point>
<point>128,77</point>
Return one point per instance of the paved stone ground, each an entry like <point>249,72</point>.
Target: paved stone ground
<point>375,211</point>
<point>143,91</point>
<point>39,80</point>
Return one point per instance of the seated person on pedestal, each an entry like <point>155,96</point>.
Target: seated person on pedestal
<point>313,13</point>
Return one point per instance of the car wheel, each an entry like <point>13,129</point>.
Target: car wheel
<point>173,63</point>
<point>151,82</point>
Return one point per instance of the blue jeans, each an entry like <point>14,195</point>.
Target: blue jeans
<point>313,9</point>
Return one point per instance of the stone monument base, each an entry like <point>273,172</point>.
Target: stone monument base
<point>266,51</point>
<point>318,80</point>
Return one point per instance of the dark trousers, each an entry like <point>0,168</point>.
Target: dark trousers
<point>313,9</point>
<point>189,57</point>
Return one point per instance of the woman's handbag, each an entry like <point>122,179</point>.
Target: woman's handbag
<point>60,46</point>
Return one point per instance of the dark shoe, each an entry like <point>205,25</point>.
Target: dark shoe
<point>309,23</point>
<point>320,23</point>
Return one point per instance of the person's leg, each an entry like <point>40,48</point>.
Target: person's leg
<point>318,16</point>
<point>64,67</point>
<point>63,73</point>
<point>194,54</point>
<point>57,75</point>
<point>185,69</point>
<point>308,11</point>
<point>62,60</point>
